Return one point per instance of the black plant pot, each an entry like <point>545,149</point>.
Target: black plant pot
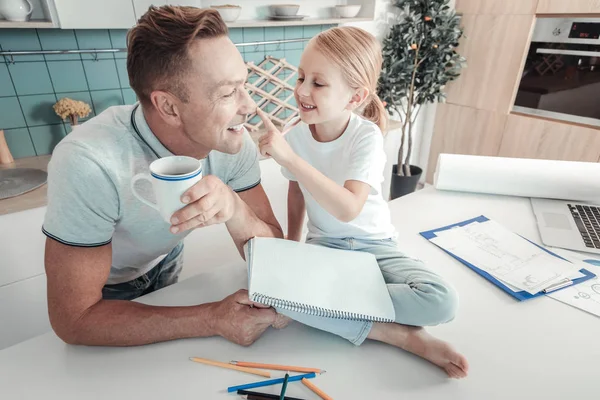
<point>403,185</point>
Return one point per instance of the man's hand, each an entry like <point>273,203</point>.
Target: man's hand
<point>209,202</point>
<point>241,321</point>
<point>273,144</point>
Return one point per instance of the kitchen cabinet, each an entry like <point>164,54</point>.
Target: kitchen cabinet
<point>531,137</point>
<point>464,130</point>
<point>509,7</point>
<point>497,35</point>
<point>494,46</point>
<point>123,14</point>
<point>568,6</point>
<point>94,14</point>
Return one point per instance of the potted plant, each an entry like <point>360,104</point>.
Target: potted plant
<point>419,59</point>
<point>72,109</point>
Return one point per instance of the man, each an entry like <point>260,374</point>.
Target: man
<point>104,246</point>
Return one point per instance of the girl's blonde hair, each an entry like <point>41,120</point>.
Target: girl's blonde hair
<point>358,55</point>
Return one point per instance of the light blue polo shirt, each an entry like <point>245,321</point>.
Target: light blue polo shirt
<point>90,202</point>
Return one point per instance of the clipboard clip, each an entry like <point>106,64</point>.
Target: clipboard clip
<point>558,285</point>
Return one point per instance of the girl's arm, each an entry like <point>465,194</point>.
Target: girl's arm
<point>296,211</point>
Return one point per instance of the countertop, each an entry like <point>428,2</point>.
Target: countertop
<point>35,198</point>
<point>536,349</point>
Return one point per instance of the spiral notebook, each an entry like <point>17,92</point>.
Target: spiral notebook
<point>317,280</point>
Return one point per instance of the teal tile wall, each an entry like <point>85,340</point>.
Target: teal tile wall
<point>31,85</point>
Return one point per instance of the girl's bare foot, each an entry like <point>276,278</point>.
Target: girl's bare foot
<point>417,341</point>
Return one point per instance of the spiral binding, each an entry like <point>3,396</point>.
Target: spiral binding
<point>312,310</point>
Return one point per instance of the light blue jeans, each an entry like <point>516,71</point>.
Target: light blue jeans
<point>420,297</point>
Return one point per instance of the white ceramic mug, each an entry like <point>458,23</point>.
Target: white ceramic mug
<point>171,177</point>
<point>16,10</point>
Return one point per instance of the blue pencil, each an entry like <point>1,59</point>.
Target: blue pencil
<point>270,382</point>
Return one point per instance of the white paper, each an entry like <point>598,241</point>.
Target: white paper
<point>585,295</point>
<point>567,180</point>
<point>505,255</point>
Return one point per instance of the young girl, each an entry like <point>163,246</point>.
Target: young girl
<point>334,159</point>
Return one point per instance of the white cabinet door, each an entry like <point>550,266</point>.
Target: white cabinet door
<point>141,6</point>
<point>95,14</point>
<point>23,311</point>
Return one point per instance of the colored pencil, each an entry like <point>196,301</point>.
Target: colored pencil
<point>255,397</point>
<point>277,367</point>
<point>229,366</point>
<point>315,389</point>
<point>270,382</point>
<point>264,395</point>
<point>285,381</point>
<point>260,397</point>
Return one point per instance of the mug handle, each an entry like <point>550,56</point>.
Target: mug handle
<point>30,7</point>
<point>138,177</point>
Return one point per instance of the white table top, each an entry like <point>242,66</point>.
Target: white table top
<point>536,349</point>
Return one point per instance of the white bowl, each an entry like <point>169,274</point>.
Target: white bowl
<point>228,12</point>
<point>284,10</point>
<point>348,11</point>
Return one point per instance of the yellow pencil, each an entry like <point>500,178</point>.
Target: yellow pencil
<point>229,366</point>
<point>315,389</point>
<point>277,367</point>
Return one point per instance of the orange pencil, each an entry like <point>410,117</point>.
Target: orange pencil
<point>276,367</point>
<point>229,366</point>
<point>315,389</point>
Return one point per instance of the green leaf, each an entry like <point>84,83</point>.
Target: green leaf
<point>437,65</point>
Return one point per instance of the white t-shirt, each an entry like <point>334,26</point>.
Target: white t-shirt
<point>356,155</point>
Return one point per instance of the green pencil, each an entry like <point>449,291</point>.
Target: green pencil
<point>285,381</point>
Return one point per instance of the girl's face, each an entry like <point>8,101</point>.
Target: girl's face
<point>321,92</point>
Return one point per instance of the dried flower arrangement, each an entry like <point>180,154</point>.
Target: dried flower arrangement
<point>72,109</point>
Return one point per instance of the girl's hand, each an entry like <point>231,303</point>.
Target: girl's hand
<point>273,144</point>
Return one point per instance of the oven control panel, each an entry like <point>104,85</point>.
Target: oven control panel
<point>567,30</point>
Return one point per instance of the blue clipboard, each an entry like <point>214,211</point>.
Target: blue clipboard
<point>522,295</point>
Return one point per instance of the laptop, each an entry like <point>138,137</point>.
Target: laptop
<point>570,225</point>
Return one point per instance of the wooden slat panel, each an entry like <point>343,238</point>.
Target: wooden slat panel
<point>495,48</point>
<point>527,137</point>
<point>568,6</point>
<point>464,130</point>
<point>496,7</point>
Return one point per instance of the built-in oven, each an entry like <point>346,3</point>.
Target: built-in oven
<point>561,76</point>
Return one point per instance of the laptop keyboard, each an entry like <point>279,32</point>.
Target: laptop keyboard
<point>587,219</point>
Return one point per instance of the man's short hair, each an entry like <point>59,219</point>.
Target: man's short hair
<point>157,48</point>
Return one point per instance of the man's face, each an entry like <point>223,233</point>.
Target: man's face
<point>218,103</point>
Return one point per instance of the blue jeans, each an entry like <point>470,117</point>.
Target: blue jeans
<point>420,296</point>
<point>163,274</point>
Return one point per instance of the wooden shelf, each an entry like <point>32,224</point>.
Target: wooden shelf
<point>308,21</point>
<point>28,24</point>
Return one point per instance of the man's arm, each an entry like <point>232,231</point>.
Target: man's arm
<point>246,214</point>
<point>79,315</point>
<point>257,219</point>
<point>296,211</point>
